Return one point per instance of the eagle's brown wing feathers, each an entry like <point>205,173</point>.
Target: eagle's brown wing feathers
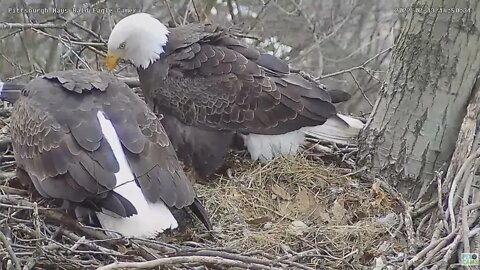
<point>59,143</point>
<point>210,85</point>
<point>209,78</point>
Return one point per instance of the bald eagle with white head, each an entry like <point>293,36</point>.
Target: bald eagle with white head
<point>210,86</point>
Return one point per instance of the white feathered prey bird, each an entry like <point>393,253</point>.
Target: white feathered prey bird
<point>211,86</point>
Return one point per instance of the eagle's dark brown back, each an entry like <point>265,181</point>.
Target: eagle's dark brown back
<point>215,85</point>
<point>209,78</point>
<point>59,143</point>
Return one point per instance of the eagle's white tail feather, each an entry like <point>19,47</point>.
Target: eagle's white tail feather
<point>151,218</point>
<point>343,129</point>
<point>266,147</point>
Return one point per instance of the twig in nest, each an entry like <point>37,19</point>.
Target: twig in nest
<point>5,142</point>
<point>36,225</point>
<point>155,245</point>
<point>407,208</point>
<point>230,256</point>
<point>466,135</point>
<point>425,208</point>
<point>452,201</point>
<point>13,202</point>
<point>432,249</point>
<point>453,246</point>
<point>81,241</point>
<point>464,213</point>
<point>184,259</point>
<point>12,191</point>
<point>6,244</point>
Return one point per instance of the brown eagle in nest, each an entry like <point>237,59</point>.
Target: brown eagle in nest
<point>84,137</point>
<point>210,86</point>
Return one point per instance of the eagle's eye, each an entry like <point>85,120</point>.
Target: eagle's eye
<point>122,45</point>
<point>25,92</point>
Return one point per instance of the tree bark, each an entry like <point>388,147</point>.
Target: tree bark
<point>415,122</point>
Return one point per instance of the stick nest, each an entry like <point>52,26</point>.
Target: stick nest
<point>304,212</point>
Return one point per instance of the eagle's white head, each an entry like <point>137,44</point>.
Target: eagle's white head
<point>138,38</point>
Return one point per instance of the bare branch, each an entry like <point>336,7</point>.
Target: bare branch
<point>362,66</point>
<point>6,244</point>
<point>199,17</point>
<point>257,18</point>
<point>407,211</point>
<point>4,25</point>
<point>317,40</point>
<point>167,3</point>
<point>182,260</point>
<point>231,11</point>
<point>361,89</point>
<point>79,26</point>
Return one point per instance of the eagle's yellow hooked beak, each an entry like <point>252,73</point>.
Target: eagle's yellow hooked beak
<point>112,60</point>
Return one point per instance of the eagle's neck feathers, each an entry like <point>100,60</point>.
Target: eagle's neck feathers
<point>144,39</point>
<point>149,47</point>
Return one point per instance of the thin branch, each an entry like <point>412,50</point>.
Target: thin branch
<point>18,203</point>
<point>362,66</point>
<point>432,248</point>
<point>6,244</point>
<point>89,6</point>
<point>79,26</point>
<point>199,18</point>
<point>167,3</point>
<point>231,11</point>
<point>407,208</point>
<point>463,148</point>
<point>89,45</point>
<point>184,259</point>
<point>451,196</point>
<point>5,25</point>
<point>464,213</point>
<point>361,89</point>
<point>36,224</point>
<point>317,41</point>
<point>84,43</point>
<point>19,30</point>
<point>257,18</point>
<point>239,10</point>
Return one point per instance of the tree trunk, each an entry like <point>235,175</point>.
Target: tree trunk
<point>415,122</point>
